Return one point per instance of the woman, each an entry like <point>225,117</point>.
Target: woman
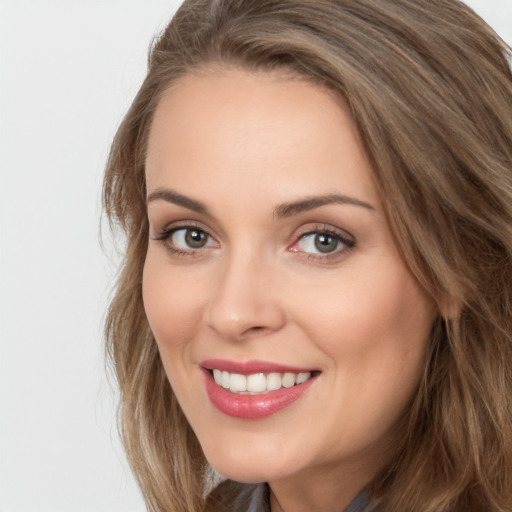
<point>315,300</point>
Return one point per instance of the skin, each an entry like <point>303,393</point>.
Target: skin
<point>244,143</point>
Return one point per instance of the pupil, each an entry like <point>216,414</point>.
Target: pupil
<point>195,238</point>
<point>326,243</point>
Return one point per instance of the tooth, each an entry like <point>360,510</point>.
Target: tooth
<point>303,377</point>
<point>256,382</point>
<point>237,382</point>
<point>217,375</point>
<point>273,381</point>
<point>225,380</point>
<point>288,380</point>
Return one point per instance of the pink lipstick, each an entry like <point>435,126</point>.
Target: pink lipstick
<point>254,389</point>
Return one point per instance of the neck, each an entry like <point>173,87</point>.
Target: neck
<point>326,491</point>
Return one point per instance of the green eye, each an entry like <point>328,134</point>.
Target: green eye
<point>190,238</point>
<point>326,243</point>
<point>323,243</point>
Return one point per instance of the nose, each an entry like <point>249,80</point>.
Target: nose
<point>245,301</point>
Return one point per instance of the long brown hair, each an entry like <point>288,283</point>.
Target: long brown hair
<point>430,88</point>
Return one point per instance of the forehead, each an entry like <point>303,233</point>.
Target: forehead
<point>238,130</point>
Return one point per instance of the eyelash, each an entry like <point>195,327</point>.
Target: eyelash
<point>167,233</point>
<point>347,241</point>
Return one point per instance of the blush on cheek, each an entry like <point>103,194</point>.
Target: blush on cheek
<point>386,318</point>
<point>172,305</point>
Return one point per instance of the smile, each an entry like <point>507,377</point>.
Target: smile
<point>254,390</point>
<point>258,383</point>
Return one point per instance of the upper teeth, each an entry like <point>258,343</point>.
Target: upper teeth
<point>258,382</point>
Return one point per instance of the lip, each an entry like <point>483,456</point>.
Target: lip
<point>249,367</point>
<point>252,407</point>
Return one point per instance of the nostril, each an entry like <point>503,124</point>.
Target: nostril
<point>256,330</point>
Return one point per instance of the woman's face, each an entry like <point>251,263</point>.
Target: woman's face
<point>271,268</point>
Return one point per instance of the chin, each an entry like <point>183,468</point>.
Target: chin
<point>245,467</point>
<point>244,474</point>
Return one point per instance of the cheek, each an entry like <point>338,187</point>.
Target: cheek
<point>172,301</point>
<point>374,330</point>
<point>375,334</point>
<point>381,310</point>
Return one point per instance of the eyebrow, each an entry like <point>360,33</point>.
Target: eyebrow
<point>309,203</point>
<point>281,211</point>
<point>174,197</point>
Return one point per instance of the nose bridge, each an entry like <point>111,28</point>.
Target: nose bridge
<point>244,300</point>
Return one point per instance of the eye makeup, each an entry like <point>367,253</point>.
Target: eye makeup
<point>319,242</point>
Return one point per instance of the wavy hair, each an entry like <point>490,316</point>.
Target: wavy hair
<point>429,85</point>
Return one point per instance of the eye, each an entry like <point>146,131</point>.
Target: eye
<point>190,238</point>
<point>183,241</point>
<point>322,243</point>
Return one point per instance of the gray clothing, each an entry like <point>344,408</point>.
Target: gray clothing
<point>259,501</point>
<point>359,503</point>
<point>256,498</point>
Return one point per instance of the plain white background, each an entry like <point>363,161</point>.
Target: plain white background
<point>68,71</point>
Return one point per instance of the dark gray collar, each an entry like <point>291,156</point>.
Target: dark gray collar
<point>259,501</point>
